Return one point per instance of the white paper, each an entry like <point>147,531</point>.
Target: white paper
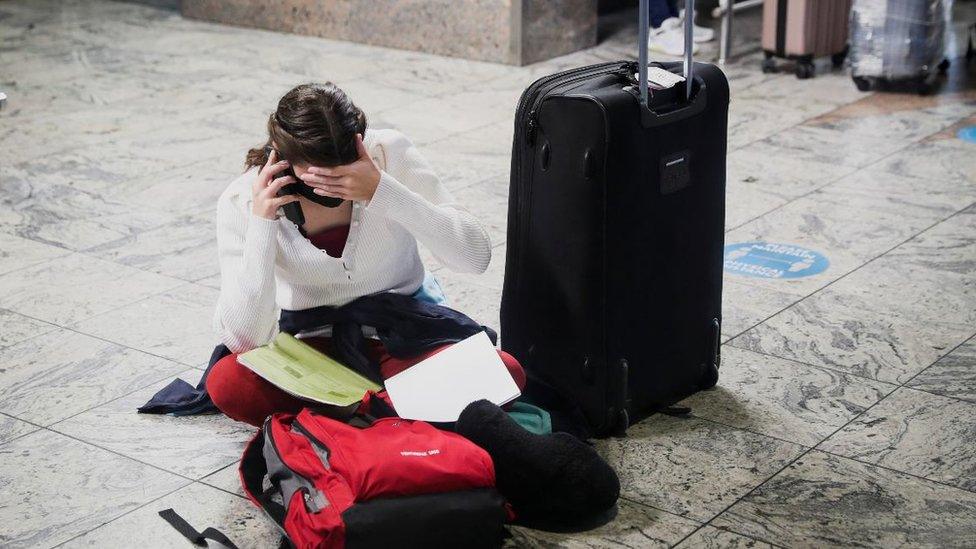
<point>440,387</point>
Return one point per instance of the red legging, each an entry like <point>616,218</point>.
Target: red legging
<point>243,395</point>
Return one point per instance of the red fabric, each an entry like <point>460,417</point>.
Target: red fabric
<point>244,396</point>
<point>393,457</point>
<point>332,240</point>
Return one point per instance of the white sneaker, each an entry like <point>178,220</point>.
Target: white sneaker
<point>701,34</point>
<point>669,38</point>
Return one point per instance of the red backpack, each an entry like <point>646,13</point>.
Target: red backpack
<point>372,483</point>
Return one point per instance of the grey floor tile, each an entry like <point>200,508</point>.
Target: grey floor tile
<point>833,89</point>
<point>826,332</point>
<point>488,201</point>
<point>11,428</point>
<point>953,375</point>
<point>302,58</point>
<point>634,526</point>
<point>227,479</point>
<point>949,246</point>
<point>55,488</point>
<point>762,165</point>
<point>879,191</point>
<point>467,158</point>
<point>823,500</point>
<point>189,446</point>
<point>214,281</point>
<point>84,173</point>
<point>759,180</point>
<point>834,147</point>
<point>202,506</point>
<point>98,126</point>
<point>933,161</point>
<point>15,328</point>
<point>74,287</point>
<point>62,373</point>
<point>915,432</point>
<point>435,119</point>
<point>924,294</point>
<point>60,97</point>
<point>744,306</point>
<point>434,75</point>
<point>188,190</point>
<point>751,120</point>
<point>185,248</point>
<point>784,399</point>
<point>933,276</point>
<point>176,324</point>
<point>692,467</point>
<point>17,253</point>
<point>902,125</point>
<point>846,236</point>
<point>39,207</point>
<point>709,537</point>
<point>376,99</point>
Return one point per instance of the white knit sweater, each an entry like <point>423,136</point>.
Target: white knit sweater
<point>267,263</point>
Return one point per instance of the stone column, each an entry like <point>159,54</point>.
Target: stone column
<point>504,31</point>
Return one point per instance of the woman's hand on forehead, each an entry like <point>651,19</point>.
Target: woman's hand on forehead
<point>354,181</point>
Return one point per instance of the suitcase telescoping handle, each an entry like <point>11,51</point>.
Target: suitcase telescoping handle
<point>644,26</point>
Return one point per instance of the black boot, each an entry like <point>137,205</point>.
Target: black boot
<point>554,480</point>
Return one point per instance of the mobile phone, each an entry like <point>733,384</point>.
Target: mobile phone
<point>300,188</point>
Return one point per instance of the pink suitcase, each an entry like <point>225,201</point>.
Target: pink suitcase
<point>805,29</point>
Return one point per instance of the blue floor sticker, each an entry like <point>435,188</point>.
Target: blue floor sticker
<point>968,134</point>
<point>772,260</point>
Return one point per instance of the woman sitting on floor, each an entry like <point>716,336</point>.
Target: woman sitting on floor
<point>391,199</point>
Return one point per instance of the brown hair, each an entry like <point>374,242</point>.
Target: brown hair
<point>314,124</point>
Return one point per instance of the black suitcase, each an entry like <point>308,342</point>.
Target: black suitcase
<point>613,282</point>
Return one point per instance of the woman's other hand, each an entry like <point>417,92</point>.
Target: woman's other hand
<point>355,181</point>
<point>265,188</point>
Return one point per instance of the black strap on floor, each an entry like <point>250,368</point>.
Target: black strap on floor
<point>197,538</point>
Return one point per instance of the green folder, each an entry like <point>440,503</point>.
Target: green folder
<point>296,368</point>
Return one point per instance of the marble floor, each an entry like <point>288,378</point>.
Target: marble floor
<point>846,410</point>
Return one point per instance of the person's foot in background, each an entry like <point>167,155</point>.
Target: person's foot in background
<point>701,34</point>
<point>669,38</point>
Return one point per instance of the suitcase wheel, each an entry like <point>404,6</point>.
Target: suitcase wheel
<point>805,69</point>
<point>769,65</point>
<point>621,422</point>
<point>923,85</point>
<point>838,58</point>
<point>710,378</point>
<point>944,66</point>
<point>863,84</point>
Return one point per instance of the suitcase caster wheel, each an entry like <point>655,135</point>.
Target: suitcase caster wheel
<point>923,86</point>
<point>621,423</point>
<point>944,66</point>
<point>863,84</point>
<point>838,58</point>
<point>768,66</point>
<point>709,379</point>
<point>805,70</point>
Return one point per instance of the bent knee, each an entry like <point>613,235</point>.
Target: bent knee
<point>514,368</point>
<point>224,386</point>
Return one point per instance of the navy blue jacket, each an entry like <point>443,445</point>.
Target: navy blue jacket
<point>406,326</point>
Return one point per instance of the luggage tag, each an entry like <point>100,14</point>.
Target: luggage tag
<point>660,79</point>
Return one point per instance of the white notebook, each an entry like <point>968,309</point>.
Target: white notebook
<point>438,388</point>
